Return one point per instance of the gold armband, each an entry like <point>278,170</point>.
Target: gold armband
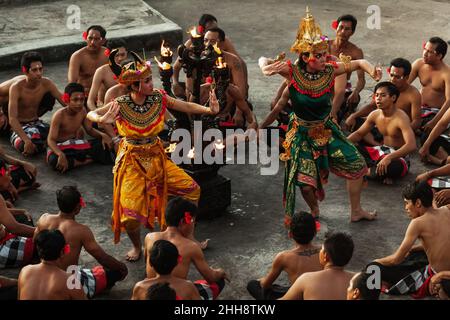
<point>346,60</point>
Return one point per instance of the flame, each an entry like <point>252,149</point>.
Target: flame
<point>171,148</point>
<point>220,64</point>
<point>164,65</point>
<point>193,32</point>
<point>165,50</point>
<point>219,144</point>
<point>217,49</point>
<point>191,153</point>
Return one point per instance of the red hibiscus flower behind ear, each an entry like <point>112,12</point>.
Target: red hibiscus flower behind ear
<point>84,35</point>
<point>66,98</point>
<point>334,24</point>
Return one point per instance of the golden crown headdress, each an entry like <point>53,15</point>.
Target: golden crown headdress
<point>309,36</point>
<point>131,72</point>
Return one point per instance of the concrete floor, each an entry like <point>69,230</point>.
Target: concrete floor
<point>246,238</point>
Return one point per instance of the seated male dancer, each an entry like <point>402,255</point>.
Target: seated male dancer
<point>331,283</point>
<point>46,280</point>
<point>410,269</point>
<point>104,77</point>
<point>30,98</point>
<point>67,146</point>
<point>180,219</point>
<point>304,257</point>
<point>84,62</point>
<point>434,76</point>
<point>163,258</point>
<point>389,161</point>
<point>16,242</point>
<point>80,236</point>
<point>408,101</point>
<point>23,175</point>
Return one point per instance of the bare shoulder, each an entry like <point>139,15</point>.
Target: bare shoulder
<point>356,51</point>
<point>402,116</point>
<point>418,63</point>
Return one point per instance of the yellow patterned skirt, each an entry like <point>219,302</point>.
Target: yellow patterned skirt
<point>143,178</point>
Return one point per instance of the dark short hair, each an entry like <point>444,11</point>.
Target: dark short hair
<point>176,208</point>
<point>205,18</point>
<point>441,45</point>
<point>349,17</point>
<point>391,88</point>
<point>419,190</point>
<point>161,291</point>
<point>402,63</point>
<point>29,57</point>
<point>302,227</point>
<point>339,246</point>
<point>360,283</point>
<point>219,31</point>
<point>99,29</point>
<point>68,198</point>
<point>73,87</point>
<point>49,244</point>
<point>163,257</point>
<point>116,44</point>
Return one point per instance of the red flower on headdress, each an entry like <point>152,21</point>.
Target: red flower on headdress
<point>84,35</point>
<point>188,218</point>
<point>200,29</point>
<point>24,70</point>
<point>82,203</point>
<point>66,98</point>
<point>388,70</point>
<point>180,259</point>
<point>114,77</point>
<point>107,52</point>
<point>67,249</point>
<point>2,171</point>
<point>209,80</point>
<point>334,24</point>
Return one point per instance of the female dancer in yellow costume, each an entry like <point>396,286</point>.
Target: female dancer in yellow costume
<point>143,175</point>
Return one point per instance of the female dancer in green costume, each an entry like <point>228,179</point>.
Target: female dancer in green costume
<point>314,144</point>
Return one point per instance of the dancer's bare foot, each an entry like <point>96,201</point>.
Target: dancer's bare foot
<point>134,254</point>
<point>362,215</point>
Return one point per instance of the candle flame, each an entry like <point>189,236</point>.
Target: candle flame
<point>193,32</point>
<point>164,65</point>
<point>191,153</point>
<point>171,148</point>
<point>165,50</point>
<point>220,64</point>
<point>217,49</point>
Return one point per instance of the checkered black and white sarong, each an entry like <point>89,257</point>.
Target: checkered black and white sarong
<point>377,153</point>
<point>440,182</point>
<point>208,290</point>
<point>37,131</point>
<point>93,280</point>
<point>416,283</point>
<point>15,251</point>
